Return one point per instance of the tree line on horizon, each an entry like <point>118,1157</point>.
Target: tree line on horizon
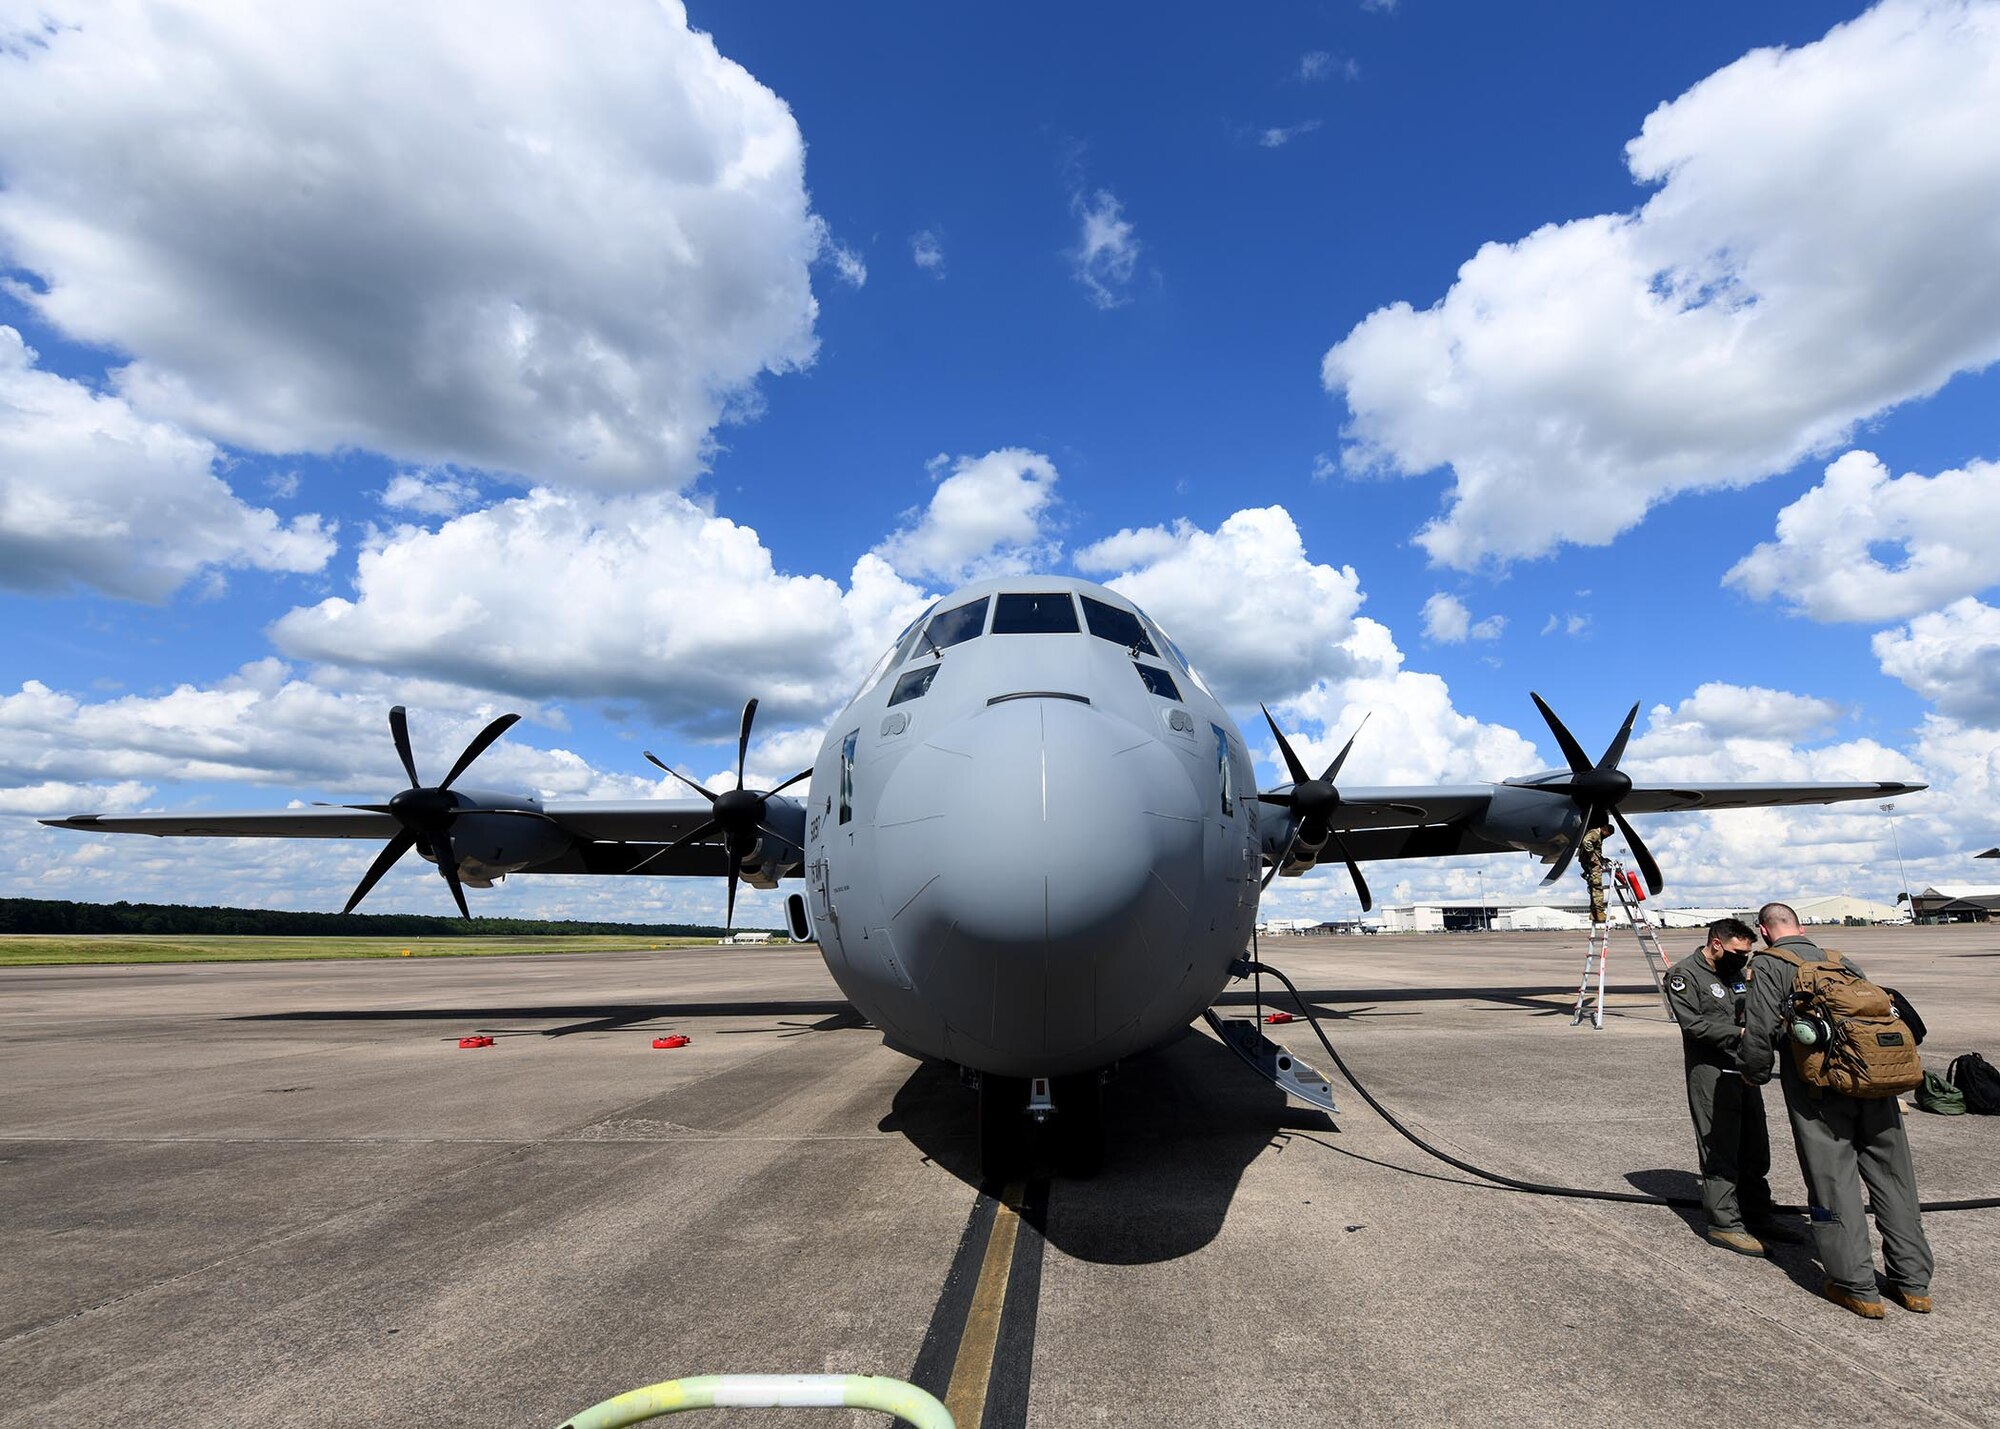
<point>44,915</point>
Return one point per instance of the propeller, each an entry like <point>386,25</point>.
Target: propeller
<point>426,814</point>
<point>1597,790</point>
<point>737,814</point>
<point>1312,802</point>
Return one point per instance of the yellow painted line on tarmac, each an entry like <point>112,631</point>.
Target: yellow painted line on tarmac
<point>972,1366</point>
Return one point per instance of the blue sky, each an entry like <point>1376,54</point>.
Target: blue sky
<point>615,364</point>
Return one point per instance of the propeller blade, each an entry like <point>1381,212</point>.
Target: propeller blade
<point>1354,872</point>
<point>1283,859</point>
<point>1617,750</point>
<point>1561,866</point>
<point>729,922</point>
<point>473,750</point>
<point>693,836</point>
<point>802,774</point>
<point>660,765</point>
<point>1341,758</point>
<point>1640,852</point>
<point>1298,770</point>
<point>399,731</point>
<point>1282,800</point>
<point>1593,815</point>
<point>1579,762</point>
<point>447,859</point>
<point>743,739</point>
<point>384,861</point>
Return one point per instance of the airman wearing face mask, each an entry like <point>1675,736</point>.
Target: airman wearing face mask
<point>1707,991</point>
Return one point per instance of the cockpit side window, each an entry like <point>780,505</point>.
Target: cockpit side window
<point>896,655</point>
<point>1223,776</point>
<point>957,625</point>
<point>1166,642</point>
<point>847,747</point>
<point>913,684</point>
<point>909,641</point>
<point>1120,627</point>
<point>1034,613</point>
<point>1156,680</point>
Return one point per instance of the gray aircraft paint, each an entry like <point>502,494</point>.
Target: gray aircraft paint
<point>1039,873</point>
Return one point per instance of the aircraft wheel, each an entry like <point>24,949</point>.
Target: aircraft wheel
<point>1079,1123</point>
<point>1003,1124</point>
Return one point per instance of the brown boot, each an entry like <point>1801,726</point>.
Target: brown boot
<point>1742,1242</point>
<point>1915,1304</point>
<point>1848,1300</point>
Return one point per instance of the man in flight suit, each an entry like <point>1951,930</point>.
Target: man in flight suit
<point>1842,1142</point>
<point>1706,991</point>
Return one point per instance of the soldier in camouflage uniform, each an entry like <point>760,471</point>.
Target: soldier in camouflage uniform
<point>1590,863</point>
<point>1706,991</point>
<point>1842,1142</point>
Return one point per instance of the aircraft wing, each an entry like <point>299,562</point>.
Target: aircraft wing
<point>641,821</point>
<point>1684,798</point>
<point>320,821</point>
<point>1537,814</point>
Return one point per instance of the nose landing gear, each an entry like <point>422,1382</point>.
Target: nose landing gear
<point>1026,1124</point>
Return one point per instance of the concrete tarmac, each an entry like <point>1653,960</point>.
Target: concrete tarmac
<point>281,1193</point>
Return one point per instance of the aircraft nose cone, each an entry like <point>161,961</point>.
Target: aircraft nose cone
<point>1058,852</point>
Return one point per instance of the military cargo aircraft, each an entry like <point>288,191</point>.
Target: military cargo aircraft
<point>1032,845</point>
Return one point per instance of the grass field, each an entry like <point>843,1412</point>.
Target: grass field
<point>32,949</point>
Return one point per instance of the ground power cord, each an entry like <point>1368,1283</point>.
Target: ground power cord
<point>1533,1188</point>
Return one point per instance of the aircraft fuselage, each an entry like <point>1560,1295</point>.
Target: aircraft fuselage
<point>1032,841</point>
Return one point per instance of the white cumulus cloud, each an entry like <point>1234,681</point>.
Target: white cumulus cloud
<point>927,252</point>
<point>1718,710</point>
<point>1415,734</point>
<point>1825,562</point>
<point>92,494</point>
<point>1951,657</point>
<point>1447,621</point>
<point>430,493</point>
<point>1258,618</point>
<point>560,241</point>
<point>1818,248</point>
<point>988,516</point>
<point>645,598</point>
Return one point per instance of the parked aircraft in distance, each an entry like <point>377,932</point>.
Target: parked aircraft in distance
<point>1032,845</point>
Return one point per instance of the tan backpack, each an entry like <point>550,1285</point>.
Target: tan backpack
<point>1861,1047</point>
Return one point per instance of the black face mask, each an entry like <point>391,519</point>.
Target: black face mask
<point>1731,965</point>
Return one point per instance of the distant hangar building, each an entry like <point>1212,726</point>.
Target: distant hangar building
<point>1471,915</point>
<point>1957,904</point>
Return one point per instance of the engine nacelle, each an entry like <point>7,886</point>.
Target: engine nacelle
<point>1528,819</point>
<point>491,843</point>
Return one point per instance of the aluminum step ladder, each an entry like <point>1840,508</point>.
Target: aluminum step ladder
<point>1631,896</point>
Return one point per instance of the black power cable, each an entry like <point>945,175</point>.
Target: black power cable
<point>1537,1188</point>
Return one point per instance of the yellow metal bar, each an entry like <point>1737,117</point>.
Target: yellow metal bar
<point>767,1391</point>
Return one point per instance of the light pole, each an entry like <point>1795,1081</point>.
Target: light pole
<point>1485,919</point>
<point>1890,810</point>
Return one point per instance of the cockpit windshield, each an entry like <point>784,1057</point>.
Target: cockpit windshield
<point>957,625</point>
<point>1035,613</point>
<point>1120,627</point>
